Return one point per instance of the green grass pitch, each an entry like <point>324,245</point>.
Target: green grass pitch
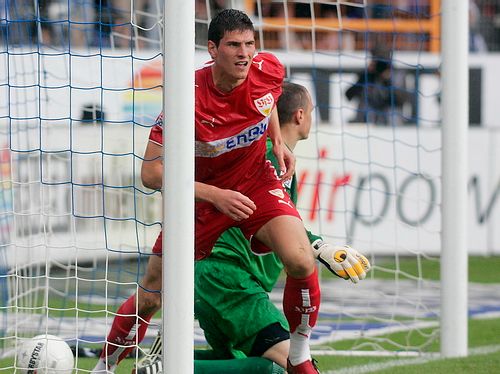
<point>484,342</point>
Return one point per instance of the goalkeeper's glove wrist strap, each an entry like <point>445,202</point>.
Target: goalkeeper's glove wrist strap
<point>317,244</point>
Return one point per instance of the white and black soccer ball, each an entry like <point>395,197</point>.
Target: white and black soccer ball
<point>44,354</point>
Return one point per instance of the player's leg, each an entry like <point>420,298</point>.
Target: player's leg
<point>208,362</point>
<point>248,365</point>
<point>227,297</point>
<point>271,361</point>
<point>273,343</point>
<point>132,318</point>
<point>268,355</point>
<point>287,237</point>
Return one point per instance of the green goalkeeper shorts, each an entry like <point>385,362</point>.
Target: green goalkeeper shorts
<point>232,307</point>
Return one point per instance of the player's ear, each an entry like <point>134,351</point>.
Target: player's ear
<point>299,116</point>
<point>212,49</point>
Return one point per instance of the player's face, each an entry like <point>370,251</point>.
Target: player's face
<point>233,57</point>
<point>305,126</point>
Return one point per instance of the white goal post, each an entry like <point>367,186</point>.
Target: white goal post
<point>178,205</point>
<point>455,112</point>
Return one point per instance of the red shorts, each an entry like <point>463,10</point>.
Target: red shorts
<point>271,200</point>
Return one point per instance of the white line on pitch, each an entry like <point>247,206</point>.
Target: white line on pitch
<point>370,368</point>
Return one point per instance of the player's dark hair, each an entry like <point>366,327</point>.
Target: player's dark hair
<point>228,20</point>
<point>293,98</point>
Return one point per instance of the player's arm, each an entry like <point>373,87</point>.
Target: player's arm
<point>152,166</point>
<point>284,156</point>
<point>232,203</point>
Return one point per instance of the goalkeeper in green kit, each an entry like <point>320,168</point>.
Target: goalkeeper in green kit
<point>245,330</point>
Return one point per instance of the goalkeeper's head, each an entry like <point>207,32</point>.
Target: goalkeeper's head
<point>295,109</point>
<point>226,21</point>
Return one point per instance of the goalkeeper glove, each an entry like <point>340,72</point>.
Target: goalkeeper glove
<point>345,262</point>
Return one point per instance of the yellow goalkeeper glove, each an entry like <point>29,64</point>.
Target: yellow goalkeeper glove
<point>345,262</point>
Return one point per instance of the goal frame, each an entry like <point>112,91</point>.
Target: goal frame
<point>177,316</point>
<point>455,112</point>
<point>178,182</point>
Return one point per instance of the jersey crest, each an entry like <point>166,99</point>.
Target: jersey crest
<point>265,104</point>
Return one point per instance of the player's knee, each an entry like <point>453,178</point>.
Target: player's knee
<point>302,267</point>
<point>299,271</point>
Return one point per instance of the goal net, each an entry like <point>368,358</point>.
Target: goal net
<point>83,84</point>
<point>82,87</point>
<point>369,175</point>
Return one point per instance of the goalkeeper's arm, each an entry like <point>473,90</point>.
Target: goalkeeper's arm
<point>345,262</point>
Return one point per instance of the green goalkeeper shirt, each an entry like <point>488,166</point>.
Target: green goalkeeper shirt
<point>233,247</point>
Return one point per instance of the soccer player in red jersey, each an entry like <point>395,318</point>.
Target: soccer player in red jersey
<point>235,185</point>
<point>232,284</point>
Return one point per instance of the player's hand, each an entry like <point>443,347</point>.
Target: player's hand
<point>233,204</point>
<point>286,161</point>
<point>345,262</point>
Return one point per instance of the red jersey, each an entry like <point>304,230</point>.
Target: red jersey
<point>231,127</point>
<point>230,149</point>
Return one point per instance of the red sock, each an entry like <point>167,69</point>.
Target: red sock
<point>128,329</point>
<point>301,300</point>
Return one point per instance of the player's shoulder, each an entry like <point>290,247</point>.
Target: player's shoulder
<point>267,62</point>
<point>201,72</point>
<point>267,56</point>
<point>203,67</point>
<point>267,69</point>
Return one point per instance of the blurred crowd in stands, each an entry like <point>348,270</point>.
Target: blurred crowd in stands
<point>80,23</point>
<point>126,23</point>
<point>484,22</point>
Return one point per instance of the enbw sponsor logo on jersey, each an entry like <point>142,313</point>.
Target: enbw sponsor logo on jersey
<point>248,136</point>
<point>243,139</point>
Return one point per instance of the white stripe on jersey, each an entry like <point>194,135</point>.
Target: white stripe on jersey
<point>244,138</point>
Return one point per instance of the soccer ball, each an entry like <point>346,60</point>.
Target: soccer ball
<point>45,354</point>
